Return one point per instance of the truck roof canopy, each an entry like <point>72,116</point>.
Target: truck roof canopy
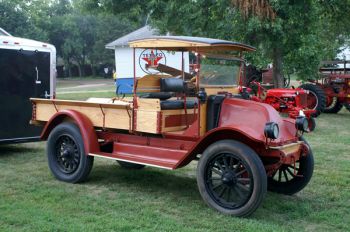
<point>187,43</point>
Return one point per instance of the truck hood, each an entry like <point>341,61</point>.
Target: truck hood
<point>250,117</point>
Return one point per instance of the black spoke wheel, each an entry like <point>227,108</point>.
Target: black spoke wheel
<point>66,154</point>
<point>231,178</point>
<point>290,179</point>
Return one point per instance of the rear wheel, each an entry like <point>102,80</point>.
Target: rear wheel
<point>66,155</point>
<point>231,178</point>
<point>128,165</point>
<point>334,106</point>
<point>316,99</point>
<point>284,180</point>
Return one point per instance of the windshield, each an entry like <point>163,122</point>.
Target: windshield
<point>219,71</point>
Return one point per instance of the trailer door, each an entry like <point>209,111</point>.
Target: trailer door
<point>23,74</point>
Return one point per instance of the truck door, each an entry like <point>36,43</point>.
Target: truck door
<point>24,74</point>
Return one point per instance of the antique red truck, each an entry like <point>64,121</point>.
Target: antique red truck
<point>243,147</point>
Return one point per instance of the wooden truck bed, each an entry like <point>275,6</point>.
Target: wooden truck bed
<point>104,113</point>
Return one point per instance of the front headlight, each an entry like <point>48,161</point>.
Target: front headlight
<point>302,124</point>
<point>271,130</point>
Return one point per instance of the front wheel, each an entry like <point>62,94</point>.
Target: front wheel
<point>231,178</point>
<point>285,181</point>
<point>66,154</point>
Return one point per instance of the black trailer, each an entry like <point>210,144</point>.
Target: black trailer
<point>27,69</point>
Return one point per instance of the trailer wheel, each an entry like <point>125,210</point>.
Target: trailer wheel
<point>66,154</point>
<point>231,178</point>
<point>334,106</point>
<point>316,99</point>
<point>285,182</point>
<point>128,165</point>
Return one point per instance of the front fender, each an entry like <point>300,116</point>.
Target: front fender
<point>250,117</point>
<point>86,128</point>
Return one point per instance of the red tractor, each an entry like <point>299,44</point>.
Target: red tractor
<point>243,147</point>
<point>334,84</point>
<point>290,102</point>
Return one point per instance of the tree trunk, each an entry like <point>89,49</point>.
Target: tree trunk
<point>278,68</point>
<point>79,70</point>
<point>69,71</point>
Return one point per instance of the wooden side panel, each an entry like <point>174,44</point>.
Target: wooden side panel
<point>148,104</point>
<point>147,121</point>
<point>149,83</point>
<point>101,115</point>
<point>176,120</point>
<point>213,90</point>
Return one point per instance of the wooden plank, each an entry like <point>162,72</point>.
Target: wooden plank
<point>101,115</point>
<point>149,83</point>
<point>148,104</point>
<point>213,90</point>
<point>146,121</point>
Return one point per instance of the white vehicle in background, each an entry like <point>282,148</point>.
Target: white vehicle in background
<point>27,69</point>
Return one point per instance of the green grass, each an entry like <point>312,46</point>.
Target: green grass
<point>115,199</point>
<point>154,199</point>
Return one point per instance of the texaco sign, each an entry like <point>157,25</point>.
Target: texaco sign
<point>149,59</point>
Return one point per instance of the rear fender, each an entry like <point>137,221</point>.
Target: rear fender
<point>85,126</point>
<point>215,135</point>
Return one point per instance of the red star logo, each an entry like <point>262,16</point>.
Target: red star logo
<point>152,59</point>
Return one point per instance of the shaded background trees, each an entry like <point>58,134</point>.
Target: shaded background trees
<point>294,35</point>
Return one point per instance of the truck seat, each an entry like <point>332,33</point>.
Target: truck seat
<point>168,88</point>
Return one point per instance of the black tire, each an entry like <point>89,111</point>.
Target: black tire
<point>280,183</point>
<point>316,92</point>
<point>347,106</point>
<point>234,168</point>
<point>312,124</point>
<point>66,155</point>
<point>128,165</point>
<point>334,107</point>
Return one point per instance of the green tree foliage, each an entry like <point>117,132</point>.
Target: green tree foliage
<point>302,33</point>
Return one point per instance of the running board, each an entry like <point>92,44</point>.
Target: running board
<point>147,155</point>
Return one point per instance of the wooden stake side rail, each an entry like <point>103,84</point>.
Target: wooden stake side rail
<point>115,115</point>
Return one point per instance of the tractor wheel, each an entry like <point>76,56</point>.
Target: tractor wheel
<point>66,155</point>
<point>347,106</point>
<point>334,107</point>
<point>231,178</point>
<point>285,182</point>
<point>312,123</point>
<point>129,165</point>
<point>316,99</point>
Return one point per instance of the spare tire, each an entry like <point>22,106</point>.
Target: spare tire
<point>316,99</point>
